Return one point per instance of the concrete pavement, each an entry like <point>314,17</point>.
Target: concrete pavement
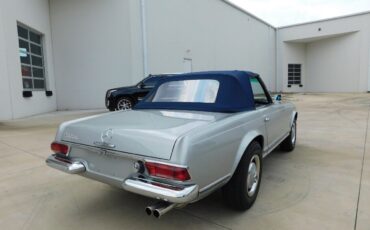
<point>323,184</point>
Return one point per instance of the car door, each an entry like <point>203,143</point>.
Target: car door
<point>272,114</point>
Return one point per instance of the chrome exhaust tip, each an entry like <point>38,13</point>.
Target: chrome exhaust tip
<point>160,211</point>
<point>148,210</point>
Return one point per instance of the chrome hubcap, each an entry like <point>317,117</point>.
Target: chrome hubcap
<point>293,134</point>
<point>124,104</point>
<point>253,175</point>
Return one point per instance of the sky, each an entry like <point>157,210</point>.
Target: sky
<point>287,12</point>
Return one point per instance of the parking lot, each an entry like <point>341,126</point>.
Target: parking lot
<point>323,184</point>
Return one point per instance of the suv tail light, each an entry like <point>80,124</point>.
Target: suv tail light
<point>167,171</point>
<point>59,148</point>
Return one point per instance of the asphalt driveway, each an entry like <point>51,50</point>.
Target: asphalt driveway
<point>323,184</point>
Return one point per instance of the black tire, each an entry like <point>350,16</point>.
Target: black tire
<point>288,144</point>
<point>237,192</point>
<point>112,109</point>
<point>124,103</point>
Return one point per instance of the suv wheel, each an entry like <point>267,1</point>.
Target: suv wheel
<point>124,103</point>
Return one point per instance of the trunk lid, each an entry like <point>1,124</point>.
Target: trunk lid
<point>151,133</point>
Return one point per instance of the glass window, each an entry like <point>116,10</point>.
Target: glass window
<point>26,71</point>
<point>196,91</point>
<point>294,74</point>
<point>38,84</point>
<point>32,59</point>
<point>259,94</point>
<point>37,72</point>
<point>35,37</point>
<point>27,83</point>
<point>22,32</point>
<point>35,49</point>
<point>150,82</point>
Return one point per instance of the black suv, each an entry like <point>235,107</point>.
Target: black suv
<point>124,98</point>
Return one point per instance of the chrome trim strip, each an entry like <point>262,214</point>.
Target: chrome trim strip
<point>272,147</point>
<point>215,183</point>
<point>184,194</point>
<point>165,163</point>
<point>73,167</point>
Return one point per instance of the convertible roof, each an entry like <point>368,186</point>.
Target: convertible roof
<point>234,93</point>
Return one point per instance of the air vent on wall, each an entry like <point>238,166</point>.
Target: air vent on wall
<point>49,93</point>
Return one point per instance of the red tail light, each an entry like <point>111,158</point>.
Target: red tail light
<point>167,171</point>
<point>59,148</point>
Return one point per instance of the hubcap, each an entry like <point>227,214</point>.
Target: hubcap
<point>253,175</point>
<point>124,104</point>
<point>293,134</point>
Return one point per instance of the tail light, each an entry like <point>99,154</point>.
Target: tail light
<point>59,148</point>
<point>167,171</point>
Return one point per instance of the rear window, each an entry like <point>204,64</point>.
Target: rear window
<point>196,91</point>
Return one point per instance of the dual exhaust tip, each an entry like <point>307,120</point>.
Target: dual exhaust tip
<point>159,209</point>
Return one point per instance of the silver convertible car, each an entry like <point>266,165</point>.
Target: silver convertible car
<point>193,134</point>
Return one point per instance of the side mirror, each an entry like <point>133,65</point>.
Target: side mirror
<point>277,97</point>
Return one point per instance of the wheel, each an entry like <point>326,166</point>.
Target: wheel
<point>111,109</point>
<point>288,143</point>
<point>241,191</point>
<point>124,103</point>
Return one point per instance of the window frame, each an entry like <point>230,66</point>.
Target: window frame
<point>29,53</point>
<point>266,92</point>
<point>294,74</point>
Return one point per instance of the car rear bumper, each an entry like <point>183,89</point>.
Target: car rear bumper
<point>161,191</point>
<point>65,165</point>
<point>143,186</point>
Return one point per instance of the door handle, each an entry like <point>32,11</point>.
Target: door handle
<point>267,119</point>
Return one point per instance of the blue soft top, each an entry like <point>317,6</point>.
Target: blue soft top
<point>234,93</point>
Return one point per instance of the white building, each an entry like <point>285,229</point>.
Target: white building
<point>333,55</point>
<point>67,53</point>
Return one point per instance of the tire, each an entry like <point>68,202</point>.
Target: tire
<point>124,103</point>
<point>288,143</point>
<point>241,191</point>
<point>112,109</point>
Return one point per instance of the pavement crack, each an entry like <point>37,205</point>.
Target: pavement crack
<point>362,169</point>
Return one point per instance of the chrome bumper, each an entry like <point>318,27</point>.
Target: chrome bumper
<point>146,187</point>
<point>65,165</point>
<point>173,194</point>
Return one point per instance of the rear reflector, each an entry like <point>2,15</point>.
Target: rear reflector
<point>167,171</point>
<point>59,148</point>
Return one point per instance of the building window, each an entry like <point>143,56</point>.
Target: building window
<point>32,58</point>
<point>294,74</point>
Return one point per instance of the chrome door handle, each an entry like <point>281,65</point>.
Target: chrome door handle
<point>267,119</point>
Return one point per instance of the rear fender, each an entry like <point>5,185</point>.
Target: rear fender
<point>294,117</point>
<point>247,139</point>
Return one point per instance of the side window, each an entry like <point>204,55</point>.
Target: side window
<point>259,94</point>
<point>151,82</point>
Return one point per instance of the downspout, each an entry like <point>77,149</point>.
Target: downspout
<point>276,62</point>
<point>144,37</point>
